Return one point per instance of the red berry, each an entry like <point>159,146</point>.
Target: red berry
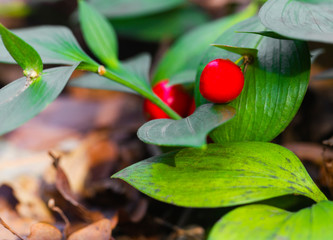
<point>221,81</point>
<point>174,96</point>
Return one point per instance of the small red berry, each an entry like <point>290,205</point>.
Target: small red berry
<point>221,81</point>
<point>174,96</point>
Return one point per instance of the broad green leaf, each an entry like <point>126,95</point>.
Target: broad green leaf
<point>222,175</point>
<point>19,102</point>
<point>275,84</point>
<point>99,34</point>
<point>268,34</point>
<point>328,74</point>
<point>23,53</point>
<point>163,26</point>
<point>186,76</point>
<point>188,50</point>
<point>134,8</point>
<point>238,50</point>
<point>95,81</point>
<point>310,20</point>
<point>55,45</point>
<point>191,131</point>
<point>261,222</point>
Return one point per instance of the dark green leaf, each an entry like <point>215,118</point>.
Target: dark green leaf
<point>310,20</point>
<point>23,53</point>
<point>99,34</point>
<point>268,34</point>
<point>162,26</point>
<point>261,222</point>
<point>222,175</point>
<point>134,8</point>
<point>275,84</point>
<point>55,45</point>
<point>188,50</point>
<point>238,50</point>
<point>191,131</point>
<point>19,102</point>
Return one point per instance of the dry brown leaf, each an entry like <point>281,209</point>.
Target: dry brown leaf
<point>44,231</point>
<point>100,230</point>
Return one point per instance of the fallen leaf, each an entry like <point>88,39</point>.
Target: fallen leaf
<point>100,230</point>
<point>44,231</point>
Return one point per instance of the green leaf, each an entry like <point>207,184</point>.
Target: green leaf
<point>222,175</point>
<point>94,81</point>
<point>99,34</point>
<point>310,20</point>
<point>134,8</point>
<point>19,103</point>
<point>55,45</point>
<point>268,34</point>
<point>188,50</point>
<point>238,50</point>
<point>23,53</point>
<point>191,131</point>
<point>261,222</point>
<point>186,76</point>
<point>162,26</point>
<point>275,84</point>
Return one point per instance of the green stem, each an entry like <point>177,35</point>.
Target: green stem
<point>147,94</point>
<point>239,59</point>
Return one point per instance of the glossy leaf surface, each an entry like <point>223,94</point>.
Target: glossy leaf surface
<point>19,103</point>
<point>275,83</point>
<point>55,45</point>
<point>188,50</point>
<point>191,131</point>
<point>261,222</point>
<point>310,20</point>
<point>98,34</point>
<point>222,175</point>
<point>23,53</point>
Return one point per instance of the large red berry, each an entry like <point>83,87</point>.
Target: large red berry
<point>174,96</point>
<point>221,81</point>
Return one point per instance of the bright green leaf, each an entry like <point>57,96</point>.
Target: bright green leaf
<point>55,45</point>
<point>186,76</point>
<point>261,222</point>
<point>134,8</point>
<point>99,34</point>
<point>310,20</point>
<point>19,103</point>
<point>188,50</point>
<point>191,131</point>
<point>222,175</point>
<point>23,53</point>
<point>275,84</point>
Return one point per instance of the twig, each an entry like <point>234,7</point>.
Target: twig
<point>3,223</point>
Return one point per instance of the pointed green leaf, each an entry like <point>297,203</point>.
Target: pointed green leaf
<point>55,45</point>
<point>188,50</point>
<point>238,50</point>
<point>134,8</point>
<point>267,34</point>
<point>23,53</point>
<point>99,34</point>
<point>275,84</point>
<point>310,20</point>
<point>19,103</point>
<point>191,131</point>
<point>261,222</point>
<point>222,175</point>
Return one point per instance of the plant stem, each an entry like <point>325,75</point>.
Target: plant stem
<point>239,59</point>
<point>147,93</point>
